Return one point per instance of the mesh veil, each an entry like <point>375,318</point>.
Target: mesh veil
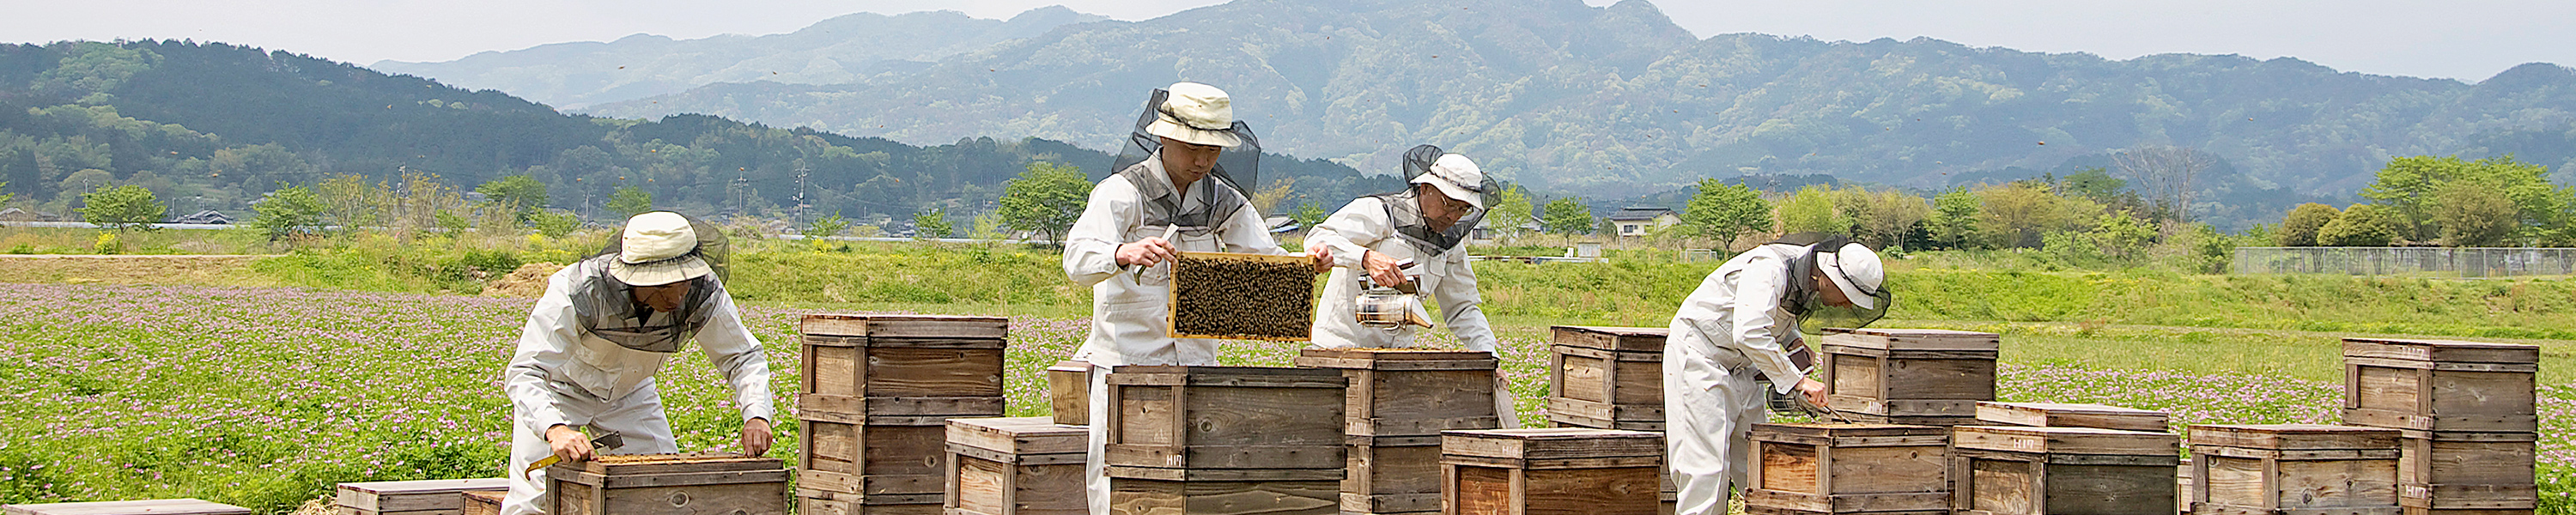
<point>1206,204</point>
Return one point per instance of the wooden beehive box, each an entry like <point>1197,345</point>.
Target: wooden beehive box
<point>2287,469</point>
<point>1910,376</point>
<point>675,484</point>
<point>1069,392</point>
<point>1391,475</point>
<point>1849,468</point>
<point>2440,385</point>
<point>2455,470</point>
<point>1554,471</point>
<point>429,497</point>
<point>817,502</point>
<point>148,507</point>
<point>1607,377</point>
<point>483,502</point>
<point>1015,466</point>
<point>890,366</point>
<point>1169,491</point>
<point>873,459</point>
<point>1242,296</point>
<point>2050,414</point>
<point>2007,470</point>
<point>1411,392</point>
<point>1193,417</point>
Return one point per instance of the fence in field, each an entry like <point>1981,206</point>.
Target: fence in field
<point>2417,261</point>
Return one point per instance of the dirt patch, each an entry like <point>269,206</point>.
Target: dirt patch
<point>200,270</point>
<point>529,281</point>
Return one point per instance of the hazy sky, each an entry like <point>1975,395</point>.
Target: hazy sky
<point>2463,39</point>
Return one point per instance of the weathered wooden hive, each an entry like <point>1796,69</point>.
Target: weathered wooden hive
<point>2467,417</point>
<point>876,397</point>
<point>2006,470</point>
<point>1814,469</point>
<point>2294,469</point>
<point>1197,439</point>
<point>1910,376</point>
<point>1015,466</point>
<point>1570,471</point>
<point>1398,402</point>
<point>669,484</point>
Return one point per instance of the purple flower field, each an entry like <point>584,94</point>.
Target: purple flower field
<point>265,397</point>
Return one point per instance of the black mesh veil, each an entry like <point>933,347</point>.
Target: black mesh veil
<point>606,307</point>
<point>1404,208</point>
<point>1806,300</point>
<point>1207,203</point>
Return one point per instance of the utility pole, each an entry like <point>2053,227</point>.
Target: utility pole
<point>801,204</point>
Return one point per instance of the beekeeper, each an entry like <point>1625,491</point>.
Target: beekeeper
<point>1732,328</point>
<point>1177,187</point>
<point>1426,227</point>
<point>587,356</point>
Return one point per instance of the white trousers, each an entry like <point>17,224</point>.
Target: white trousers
<point>1094,470</point>
<point>1704,435</point>
<point>637,418</point>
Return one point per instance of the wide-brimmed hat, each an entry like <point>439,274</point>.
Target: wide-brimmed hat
<point>1196,113</point>
<point>1457,177</point>
<point>1856,270</point>
<point>656,249</point>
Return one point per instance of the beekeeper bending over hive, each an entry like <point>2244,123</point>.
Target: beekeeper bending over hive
<point>1160,202</point>
<point>587,356</point>
<point>1732,328</point>
<point>1413,240</point>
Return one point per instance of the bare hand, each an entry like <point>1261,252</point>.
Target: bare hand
<point>1382,269</point>
<point>755,437</point>
<point>1146,252</point>
<point>1814,391</point>
<point>1323,256</point>
<point>570,444</point>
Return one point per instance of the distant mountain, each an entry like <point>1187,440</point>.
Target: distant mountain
<point>839,50</point>
<point>214,126</point>
<point>1618,101</point>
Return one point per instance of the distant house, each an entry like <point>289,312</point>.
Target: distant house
<point>22,215</point>
<point>208,217</point>
<point>1638,221</point>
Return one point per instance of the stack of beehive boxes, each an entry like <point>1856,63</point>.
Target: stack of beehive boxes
<point>1609,378</point>
<point>2466,416</point>
<point>1910,376</point>
<point>2053,414</point>
<point>1193,439</point>
<point>1398,402</point>
<point>877,394</point>
<point>2007,470</point>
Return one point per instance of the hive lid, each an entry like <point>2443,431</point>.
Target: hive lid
<point>1019,435</point>
<point>904,326</point>
<point>1914,339</point>
<point>2051,414</point>
<point>628,464</point>
<point>1397,359</point>
<point>428,486</point>
<point>2293,436</point>
<point>1551,443</point>
<point>2449,351</point>
<point>1640,339</point>
<point>1078,367</point>
<point>2065,440</point>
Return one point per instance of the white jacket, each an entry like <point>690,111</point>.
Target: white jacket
<point>556,360</point>
<point>1447,277</point>
<point>1128,317</point>
<point>1735,317</point>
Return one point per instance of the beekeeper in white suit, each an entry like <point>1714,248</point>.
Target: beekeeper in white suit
<point>1427,224</point>
<point>587,356</point>
<point>1732,328</point>
<point>1176,188</point>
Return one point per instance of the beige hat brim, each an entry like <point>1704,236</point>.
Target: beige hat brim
<point>1452,190</point>
<point>1834,270</point>
<point>1165,127</point>
<point>660,273</point>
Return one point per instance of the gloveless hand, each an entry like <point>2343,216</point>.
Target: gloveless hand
<point>756,437</point>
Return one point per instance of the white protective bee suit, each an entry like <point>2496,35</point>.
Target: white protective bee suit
<point>1129,314</point>
<point>1366,225</point>
<point>1725,333</point>
<point>563,375</point>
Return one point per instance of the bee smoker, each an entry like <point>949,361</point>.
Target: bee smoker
<point>1391,308</point>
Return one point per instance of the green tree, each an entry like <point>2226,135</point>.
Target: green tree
<point>932,223</point>
<point>1811,209</point>
<point>122,208</point>
<point>2017,214</point>
<point>1725,211</point>
<point>2094,183</point>
<point>1046,198</point>
<point>1511,211</point>
<point>288,211</point>
<point>1881,217</point>
<point>1953,222</point>
<point>1566,216</point>
<point>2364,225</point>
<point>1309,214</point>
<point>2122,236</point>
<point>350,201</point>
<point>2472,214</point>
<point>5,195</point>
<point>629,201</point>
<point>2299,228</point>
<point>555,223</point>
<point>522,195</point>
<point>2410,185</point>
<point>826,227</point>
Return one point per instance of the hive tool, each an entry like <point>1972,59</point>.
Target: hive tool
<point>611,440</point>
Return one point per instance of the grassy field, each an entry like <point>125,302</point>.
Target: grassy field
<point>262,381</point>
